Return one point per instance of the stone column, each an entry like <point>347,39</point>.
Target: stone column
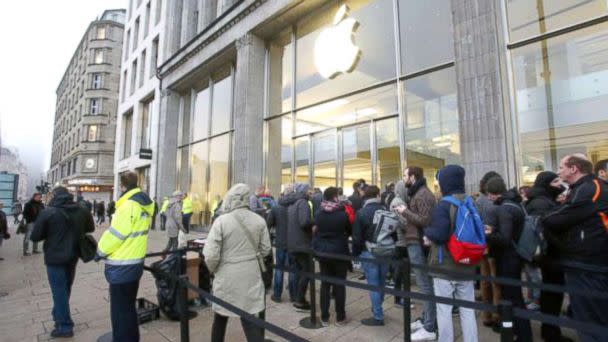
<point>173,27</point>
<point>167,150</point>
<point>249,111</point>
<point>485,136</point>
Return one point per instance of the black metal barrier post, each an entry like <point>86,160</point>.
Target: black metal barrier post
<point>407,301</point>
<point>311,322</point>
<point>505,309</point>
<point>184,314</point>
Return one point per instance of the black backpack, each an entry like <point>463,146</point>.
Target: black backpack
<point>531,244</point>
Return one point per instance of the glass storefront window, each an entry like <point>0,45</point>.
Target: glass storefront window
<point>183,168</point>
<point>426,34</point>
<point>219,163</point>
<point>302,160</point>
<point>561,94</point>
<point>357,157</point>
<point>201,115</point>
<point>528,18</point>
<point>366,106</point>
<point>324,146</point>
<point>374,62</point>
<point>432,131</point>
<point>220,113</point>
<point>278,166</point>
<point>198,182</point>
<point>387,143</point>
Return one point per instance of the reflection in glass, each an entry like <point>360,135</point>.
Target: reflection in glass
<point>357,162</point>
<point>200,120</point>
<point>198,182</point>
<point>387,142</point>
<point>325,160</point>
<point>219,162</point>
<point>183,168</point>
<point>278,166</point>
<point>376,59</point>
<point>426,33</point>
<point>372,104</point>
<point>220,113</point>
<point>525,15</point>
<point>432,131</point>
<point>561,97</point>
<point>302,160</point>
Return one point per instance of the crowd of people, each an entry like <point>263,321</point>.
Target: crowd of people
<point>406,222</point>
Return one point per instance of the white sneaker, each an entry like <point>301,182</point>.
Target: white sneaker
<point>423,335</point>
<point>416,325</point>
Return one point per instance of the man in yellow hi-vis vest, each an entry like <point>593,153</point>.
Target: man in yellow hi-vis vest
<point>123,246</point>
<point>186,212</point>
<point>163,210</point>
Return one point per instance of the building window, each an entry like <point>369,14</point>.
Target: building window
<point>135,34</point>
<point>133,76</point>
<point>101,32</point>
<point>127,131</point>
<point>147,19</point>
<point>124,86</point>
<point>142,68</point>
<point>126,44</point>
<point>145,123</point>
<point>92,134</point>
<point>95,106</point>
<point>96,81</point>
<point>154,58</point>
<point>74,164</point>
<point>98,56</point>
<point>159,6</point>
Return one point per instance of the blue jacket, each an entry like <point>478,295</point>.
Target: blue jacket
<point>451,182</point>
<point>362,228</point>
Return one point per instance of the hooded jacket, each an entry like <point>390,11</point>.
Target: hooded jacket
<point>333,229</point>
<point>400,199</point>
<point>580,226</point>
<point>277,218</point>
<point>510,218</point>
<point>125,243</point>
<point>231,256</point>
<point>173,212</point>
<point>451,182</point>
<point>299,219</point>
<point>418,214</point>
<point>61,225</point>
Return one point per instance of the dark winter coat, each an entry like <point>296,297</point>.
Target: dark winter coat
<point>277,218</point>
<point>540,203</point>
<point>510,219</point>
<point>333,230</point>
<point>31,211</point>
<point>578,223</point>
<point>61,226</point>
<point>421,202</point>
<point>299,219</point>
<point>451,182</point>
<point>356,201</point>
<point>363,229</point>
<point>486,209</point>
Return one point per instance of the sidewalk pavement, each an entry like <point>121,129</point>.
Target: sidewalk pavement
<point>25,314</point>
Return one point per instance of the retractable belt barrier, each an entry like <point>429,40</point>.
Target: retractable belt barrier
<point>505,308</point>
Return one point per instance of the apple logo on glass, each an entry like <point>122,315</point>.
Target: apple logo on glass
<point>335,52</point>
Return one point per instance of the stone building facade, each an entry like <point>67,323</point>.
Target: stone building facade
<point>324,92</point>
<point>85,116</point>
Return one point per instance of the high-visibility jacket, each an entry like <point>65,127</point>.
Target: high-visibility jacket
<point>164,206</point>
<point>125,243</point>
<point>187,206</point>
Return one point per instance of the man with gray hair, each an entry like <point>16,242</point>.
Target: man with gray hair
<point>277,219</point>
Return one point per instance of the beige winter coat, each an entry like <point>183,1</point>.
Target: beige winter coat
<point>230,256</point>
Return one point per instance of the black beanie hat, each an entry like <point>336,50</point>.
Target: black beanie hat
<point>544,178</point>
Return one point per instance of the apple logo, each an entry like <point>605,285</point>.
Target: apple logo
<point>335,51</point>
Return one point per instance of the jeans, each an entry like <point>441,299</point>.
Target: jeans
<point>26,239</point>
<point>429,315</point>
<point>252,332</point>
<point>123,312</point>
<point>61,278</point>
<point>398,276</point>
<point>509,265</point>
<point>376,276</point>
<point>101,219</point>
<point>186,221</point>
<point>464,290</point>
<point>302,264</point>
<point>533,275</point>
<point>336,269</point>
<point>171,244</point>
<point>588,309</point>
<point>283,259</point>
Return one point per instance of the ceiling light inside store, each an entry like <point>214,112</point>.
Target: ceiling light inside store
<point>323,108</point>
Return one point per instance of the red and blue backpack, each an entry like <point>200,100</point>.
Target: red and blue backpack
<point>467,243</point>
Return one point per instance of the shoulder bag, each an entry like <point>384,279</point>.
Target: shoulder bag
<point>249,237</point>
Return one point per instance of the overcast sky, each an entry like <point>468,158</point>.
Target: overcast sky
<point>37,39</point>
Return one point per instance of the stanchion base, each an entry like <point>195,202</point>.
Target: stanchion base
<point>107,337</point>
<point>307,323</point>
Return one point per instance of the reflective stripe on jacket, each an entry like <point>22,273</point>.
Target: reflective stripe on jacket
<point>125,243</point>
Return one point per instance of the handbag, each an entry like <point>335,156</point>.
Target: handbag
<point>88,247</point>
<point>249,237</point>
<point>22,228</point>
